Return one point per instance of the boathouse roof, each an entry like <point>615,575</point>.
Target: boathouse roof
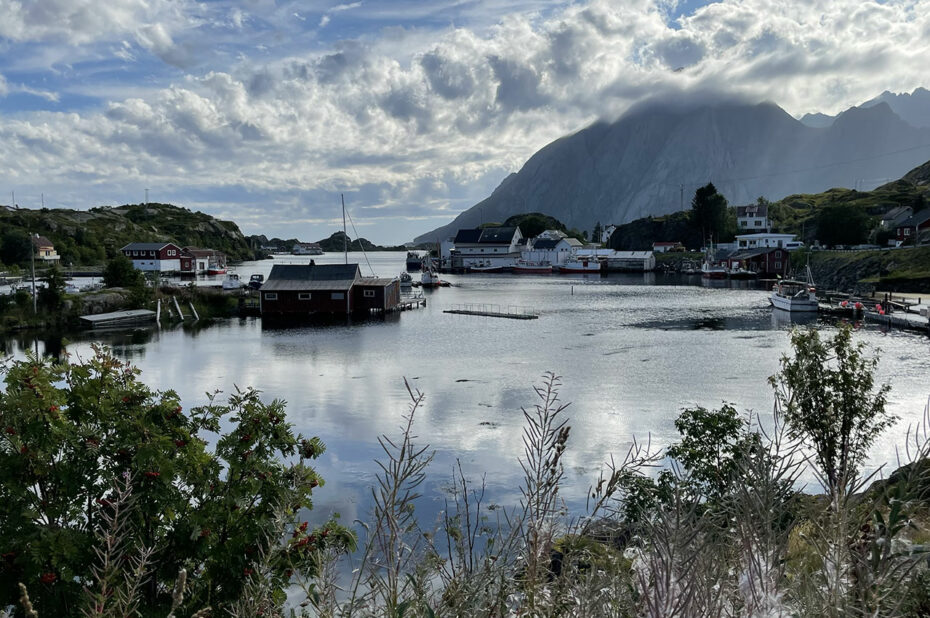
<point>497,235</point>
<point>470,236</point>
<point>546,243</point>
<point>919,219</point>
<point>299,277</point>
<point>146,246</point>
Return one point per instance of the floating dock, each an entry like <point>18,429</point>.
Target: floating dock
<point>493,311</point>
<point>900,315</point>
<point>119,318</point>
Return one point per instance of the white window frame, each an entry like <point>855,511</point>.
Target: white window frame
<point>338,296</point>
<point>303,296</point>
<point>271,296</point>
<point>368,293</point>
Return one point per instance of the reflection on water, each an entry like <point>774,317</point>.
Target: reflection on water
<point>632,350</point>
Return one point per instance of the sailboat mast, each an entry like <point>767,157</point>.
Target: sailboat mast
<point>345,237</point>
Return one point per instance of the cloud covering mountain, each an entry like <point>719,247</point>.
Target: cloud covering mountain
<point>264,111</point>
<point>651,161</point>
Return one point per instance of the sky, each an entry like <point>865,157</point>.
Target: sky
<point>265,112</point>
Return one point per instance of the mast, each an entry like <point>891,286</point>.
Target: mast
<point>345,237</point>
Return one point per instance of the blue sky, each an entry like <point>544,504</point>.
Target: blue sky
<point>264,111</point>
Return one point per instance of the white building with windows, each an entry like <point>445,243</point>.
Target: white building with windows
<point>767,240</point>
<point>753,218</point>
<point>490,246</point>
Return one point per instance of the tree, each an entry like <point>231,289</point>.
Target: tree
<point>709,211</point>
<point>78,438</point>
<point>15,247</point>
<point>120,273</point>
<point>596,234</point>
<point>842,224</point>
<point>826,393</point>
<point>51,296</point>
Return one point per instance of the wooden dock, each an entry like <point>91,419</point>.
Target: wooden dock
<point>119,318</point>
<point>493,311</point>
<point>902,320</point>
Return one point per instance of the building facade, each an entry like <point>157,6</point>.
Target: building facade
<point>154,256</point>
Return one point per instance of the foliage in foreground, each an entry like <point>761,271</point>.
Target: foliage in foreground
<point>109,489</point>
<point>722,530</point>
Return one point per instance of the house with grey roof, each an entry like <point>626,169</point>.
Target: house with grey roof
<point>305,290</point>
<point>490,246</point>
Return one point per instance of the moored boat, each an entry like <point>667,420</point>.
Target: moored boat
<point>216,269</point>
<point>795,295</point>
<point>429,278</point>
<point>485,267</point>
<point>406,281</point>
<point>414,261</point>
<point>580,265</point>
<point>256,281</point>
<point>524,267</point>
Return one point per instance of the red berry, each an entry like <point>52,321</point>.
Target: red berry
<point>246,572</point>
<point>11,431</point>
<point>125,399</point>
<point>153,474</point>
<point>53,408</point>
<point>48,578</point>
<point>180,443</point>
<point>303,527</point>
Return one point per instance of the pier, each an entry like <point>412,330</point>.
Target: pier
<point>118,318</point>
<point>493,311</point>
<point>897,313</point>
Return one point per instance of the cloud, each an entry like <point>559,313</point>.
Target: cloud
<point>420,121</point>
<point>4,89</point>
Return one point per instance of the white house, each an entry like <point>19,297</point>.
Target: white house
<point>778,241</point>
<point>622,261</point>
<point>753,218</point>
<point>491,246</point>
<point>552,250</point>
<point>607,232</point>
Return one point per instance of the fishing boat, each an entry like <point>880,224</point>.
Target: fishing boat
<point>216,269</point>
<point>580,265</point>
<point>485,267</point>
<point>525,267</point>
<point>739,272</point>
<point>795,295</point>
<point>429,278</point>
<point>710,269</point>
<point>414,261</point>
<point>406,281</point>
<point>256,281</point>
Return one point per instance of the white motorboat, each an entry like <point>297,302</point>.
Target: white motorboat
<point>580,265</point>
<point>795,295</point>
<point>406,281</point>
<point>429,278</point>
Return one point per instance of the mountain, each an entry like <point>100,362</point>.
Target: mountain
<point>913,108</point>
<point>652,159</point>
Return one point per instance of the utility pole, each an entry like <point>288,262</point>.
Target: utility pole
<point>345,237</point>
<point>32,247</point>
<point>43,199</point>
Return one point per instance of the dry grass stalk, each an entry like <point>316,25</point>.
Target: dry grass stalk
<point>25,602</point>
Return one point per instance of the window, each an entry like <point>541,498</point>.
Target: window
<point>134,253</point>
<point>271,296</point>
<point>758,224</point>
<point>907,231</point>
<point>368,293</point>
<point>338,296</point>
<point>170,251</point>
<point>777,265</point>
<point>303,296</point>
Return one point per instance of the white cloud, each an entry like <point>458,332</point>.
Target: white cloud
<point>4,89</point>
<point>420,121</point>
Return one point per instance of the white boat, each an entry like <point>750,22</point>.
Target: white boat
<point>485,267</point>
<point>523,267</point>
<point>795,295</point>
<point>580,265</point>
<point>429,278</point>
<point>710,269</point>
<point>231,282</point>
<point>406,281</point>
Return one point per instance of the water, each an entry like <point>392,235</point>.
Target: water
<point>631,351</point>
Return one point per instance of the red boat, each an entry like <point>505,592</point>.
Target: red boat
<point>216,270</point>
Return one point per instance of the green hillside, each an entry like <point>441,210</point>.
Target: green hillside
<point>90,237</point>
<point>835,217</point>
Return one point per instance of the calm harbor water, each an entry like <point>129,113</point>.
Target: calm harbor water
<point>631,350</point>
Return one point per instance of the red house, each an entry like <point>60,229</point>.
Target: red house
<point>154,256</point>
<point>766,261</point>
<point>911,229</point>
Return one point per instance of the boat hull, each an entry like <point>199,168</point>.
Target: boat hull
<point>792,304</point>
<point>580,267</point>
<point>532,270</point>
